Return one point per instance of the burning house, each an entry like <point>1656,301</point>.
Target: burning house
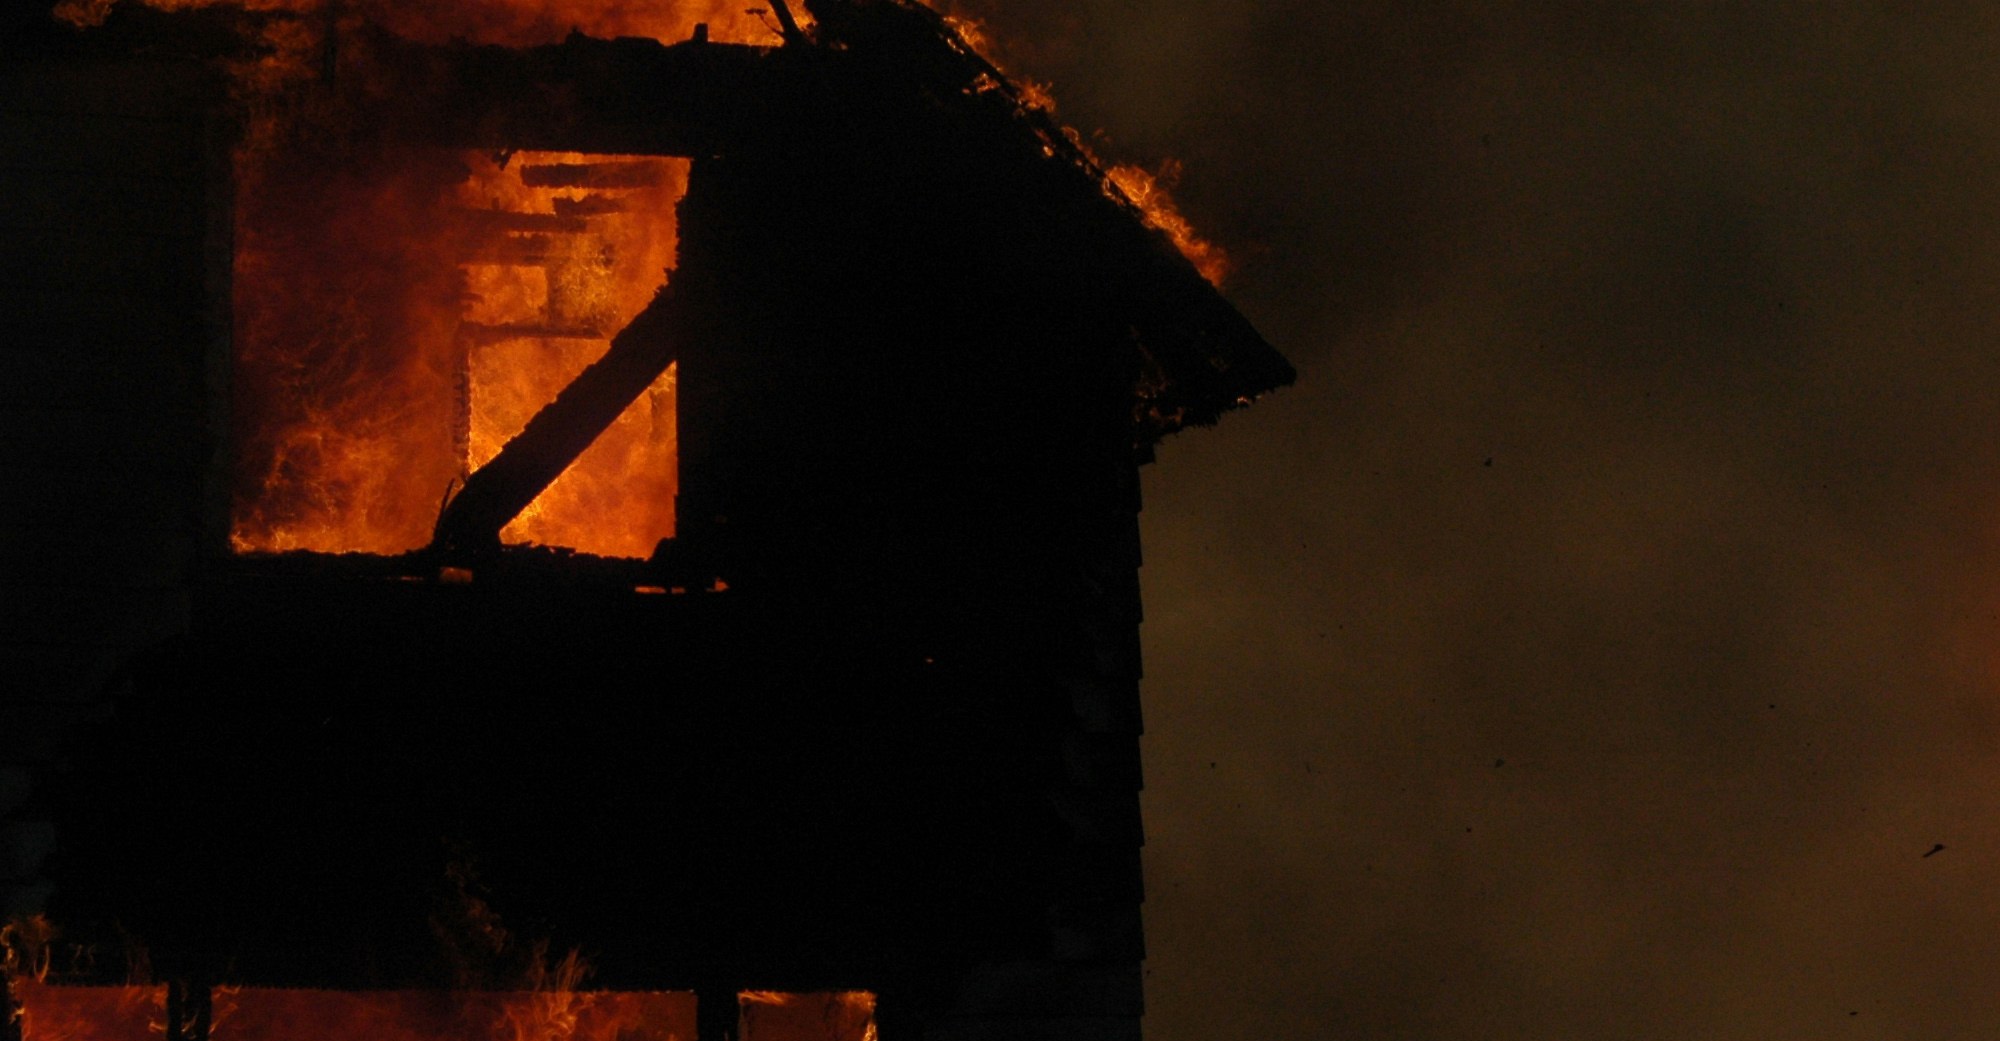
<point>661,482</point>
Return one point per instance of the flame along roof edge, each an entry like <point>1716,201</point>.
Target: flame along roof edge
<point>1201,357</point>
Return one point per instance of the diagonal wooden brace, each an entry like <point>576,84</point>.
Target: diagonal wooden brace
<point>497,492</point>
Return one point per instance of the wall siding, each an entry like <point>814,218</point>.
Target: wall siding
<point>107,259</point>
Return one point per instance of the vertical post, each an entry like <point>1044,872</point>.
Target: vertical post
<point>218,317</point>
<point>176,1011</point>
<point>188,1010</point>
<point>718,1014</point>
<point>329,55</point>
<point>199,996</point>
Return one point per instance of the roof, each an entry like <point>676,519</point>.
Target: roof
<point>1200,356</point>
<point>1197,355</point>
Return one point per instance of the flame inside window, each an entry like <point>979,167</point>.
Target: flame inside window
<point>400,314</point>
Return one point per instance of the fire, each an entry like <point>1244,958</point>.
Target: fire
<point>52,1013</point>
<point>1151,193</point>
<point>271,1014</point>
<point>557,1013</point>
<point>514,23</point>
<point>823,1016</point>
<point>400,315</point>
<point>138,1013</point>
<point>617,499</point>
<point>401,312</point>
<point>545,1002</point>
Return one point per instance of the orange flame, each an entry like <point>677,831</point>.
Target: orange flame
<point>401,313</point>
<point>1150,192</point>
<point>513,23</point>
<point>547,1003</point>
<point>822,1016</point>
<point>617,498</point>
<point>25,948</point>
<point>53,1013</point>
<point>398,321</point>
<point>275,1014</point>
<point>557,1013</point>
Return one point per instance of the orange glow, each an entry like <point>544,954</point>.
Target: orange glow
<point>138,1013</point>
<point>390,331</point>
<point>567,1015</point>
<point>1150,193</point>
<point>825,1016</point>
<point>401,314</point>
<point>56,1013</point>
<point>618,497</point>
<point>1147,191</point>
<point>49,1013</point>
<point>972,31</point>
<point>515,23</point>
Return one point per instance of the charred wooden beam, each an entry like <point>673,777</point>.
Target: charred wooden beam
<point>499,222</point>
<point>591,206</point>
<point>497,492</point>
<point>787,24</point>
<point>514,251</point>
<point>612,97</point>
<point>718,1014</point>
<point>629,174</point>
<point>482,333</point>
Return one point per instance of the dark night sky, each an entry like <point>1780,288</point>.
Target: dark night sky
<point>1595,641</point>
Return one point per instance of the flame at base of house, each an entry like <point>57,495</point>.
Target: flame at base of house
<point>149,1012</point>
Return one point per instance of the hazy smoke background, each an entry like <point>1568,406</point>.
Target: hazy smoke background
<point>1595,641</point>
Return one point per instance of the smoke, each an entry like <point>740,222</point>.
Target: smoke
<point>1596,641</point>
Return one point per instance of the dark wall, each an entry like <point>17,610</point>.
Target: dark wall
<point>108,300</point>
